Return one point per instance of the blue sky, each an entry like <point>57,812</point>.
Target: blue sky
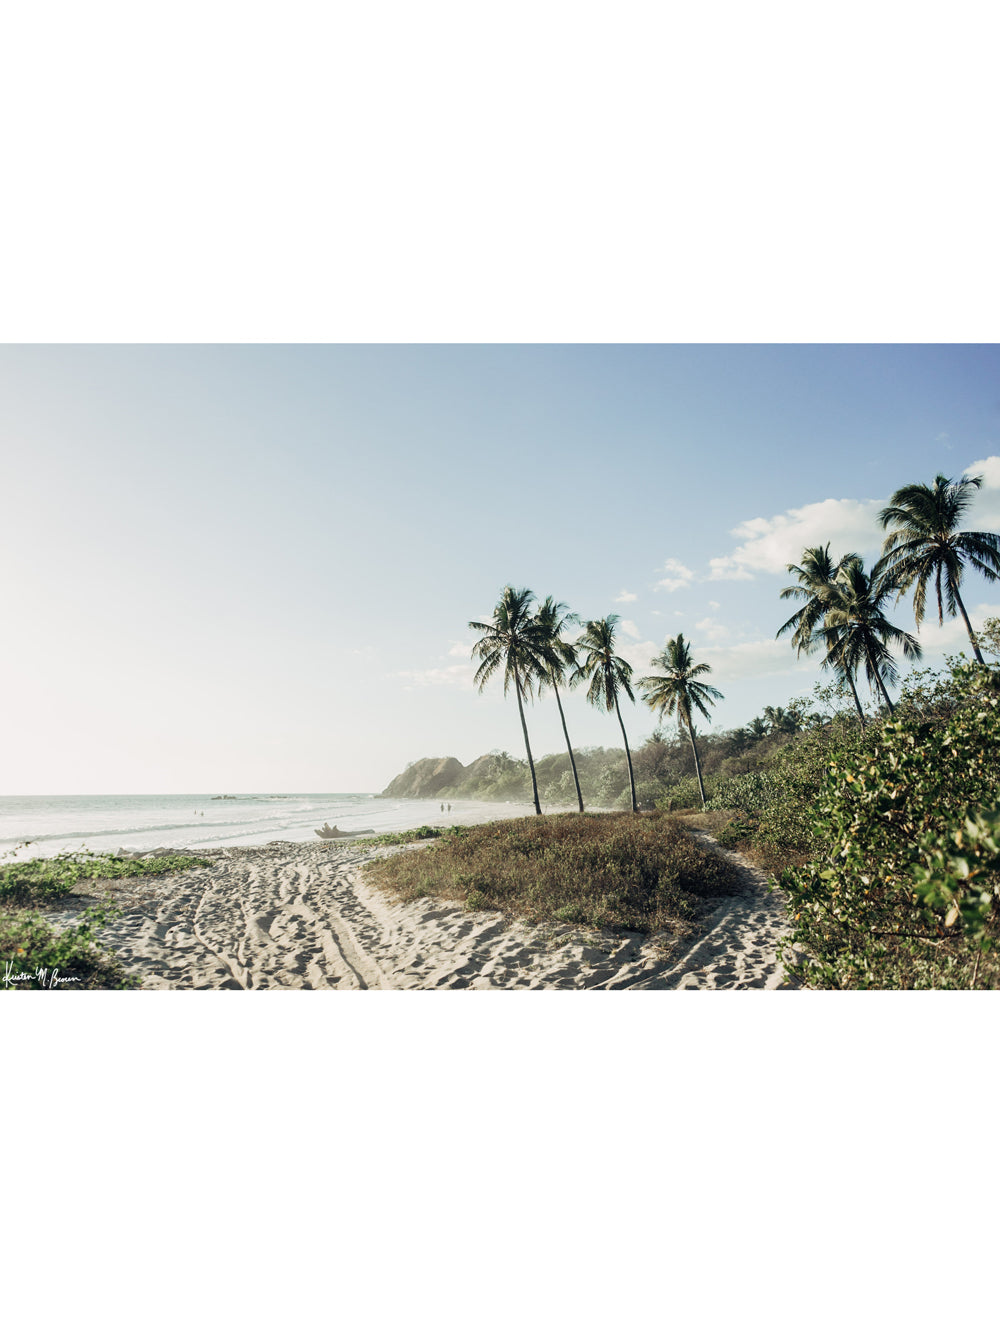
<point>252,567</point>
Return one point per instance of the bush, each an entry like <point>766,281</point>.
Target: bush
<point>36,956</point>
<point>683,795</point>
<point>902,889</point>
<point>750,792</point>
<point>627,872</point>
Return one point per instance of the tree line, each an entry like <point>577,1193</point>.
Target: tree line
<point>842,613</point>
<point>529,644</point>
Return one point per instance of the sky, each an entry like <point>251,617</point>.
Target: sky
<point>252,568</point>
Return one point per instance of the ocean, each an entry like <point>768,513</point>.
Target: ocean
<point>53,824</point>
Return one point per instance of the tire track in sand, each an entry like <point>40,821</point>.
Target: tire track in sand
<point>293,916</point>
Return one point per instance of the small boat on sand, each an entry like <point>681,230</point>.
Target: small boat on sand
<point>327,832</point>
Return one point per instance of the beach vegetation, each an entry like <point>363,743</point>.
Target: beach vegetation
<point>608,676</point>
<point>401,839</point>
<point>625,871</point>
<point>924,543</point>
<point>45,956</point>
<point>43,880</point>
<point>858,633</point>
<point>677,691</point>
<point>35,955</point>
<point>560,654</point>
<point>902,887</point>
<point>514,642</point>
<point>816,577</point>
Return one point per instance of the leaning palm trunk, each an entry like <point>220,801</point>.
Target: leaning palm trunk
<point>628,756</point>
<point>569,747</point>
<point>697,762</point>
<point>885,693</point>
<point>527,746</point>
<point>857,702</point>
<point>968,626</point>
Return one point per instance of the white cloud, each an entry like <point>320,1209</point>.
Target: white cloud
<point>713,606</point>
<point>984,513</point>
<point>729,661</point>
<point>455,677</point>
<point>726,567</point>
<point>625,596</point>
<point>678,576</point>
<point>639,655</point>
<point>772,544</point>
<point>630,628</point>
<point>460,650</point>
<point>951,637</point>
<point>988,469</point>
<point>711,629</point>
<point>754,658</point>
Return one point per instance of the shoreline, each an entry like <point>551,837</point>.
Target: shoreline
<point>166,831</point>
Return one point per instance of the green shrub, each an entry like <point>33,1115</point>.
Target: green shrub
<point>36,956</point>
<point>683,795</point>
<point>902,889</point>
<point>750,792</point>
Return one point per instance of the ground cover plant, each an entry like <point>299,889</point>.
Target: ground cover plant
<point>34,954</point>
<point>420,834</point>
<point>46,879</point>
<point>624,871</point>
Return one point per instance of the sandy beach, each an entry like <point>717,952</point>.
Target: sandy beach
<point>302,917</point>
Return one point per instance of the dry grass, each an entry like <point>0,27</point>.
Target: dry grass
<point>614,871</point>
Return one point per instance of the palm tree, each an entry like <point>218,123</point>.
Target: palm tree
<point>816,576</point>
<point>677,691</point>
<point>608,675</point>
<point>757,728</point>
<point>780,721</point>
<point>553,618</point>
<point>925,541</point>
<point>512,640</point>
<point>857,632</point>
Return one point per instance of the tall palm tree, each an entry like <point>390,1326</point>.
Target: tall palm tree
<point>857,632</point>
<point>924,541</point>
<point>678,691</point>
<point>608,675</point>
<point>816,576</point>
<point>512,640</point>
<point>553,619</point>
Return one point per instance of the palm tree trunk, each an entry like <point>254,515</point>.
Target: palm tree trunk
<point>885,693</point>
<point>857,702</point>
<point>968,626</point>
<point>628,756</point>
<point>524,728</point>
<point>569,747</point>
<point>697,764</point>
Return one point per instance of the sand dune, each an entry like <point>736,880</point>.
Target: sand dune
<point>294,916</point>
